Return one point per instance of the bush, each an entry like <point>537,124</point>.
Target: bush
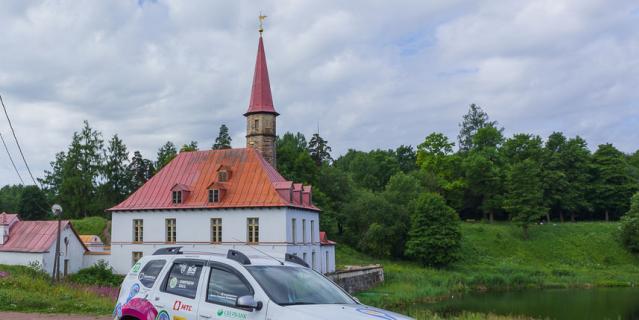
<point>630,226</point>
<point>98,274</point>
<point>435,234</point>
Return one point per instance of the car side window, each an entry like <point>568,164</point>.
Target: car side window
<point>150,272</point>
<point>183,278</point>
<point>225,287</point>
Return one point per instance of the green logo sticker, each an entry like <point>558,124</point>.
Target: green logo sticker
<point>136,267</point>
<point>173,282</point>
<point>231,314</point>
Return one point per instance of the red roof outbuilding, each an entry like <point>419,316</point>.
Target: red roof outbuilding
<point>32,236</point>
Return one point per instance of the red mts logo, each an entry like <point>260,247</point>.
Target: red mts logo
<point>179,306</point>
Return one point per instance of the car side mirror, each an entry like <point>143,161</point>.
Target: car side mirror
<point>248,302</point>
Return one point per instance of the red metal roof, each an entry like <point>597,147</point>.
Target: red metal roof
<point>32,236</point>
<point>254,183</point>
<point>324,240</point>
<point>261,98</point>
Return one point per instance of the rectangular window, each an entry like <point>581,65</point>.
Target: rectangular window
<point>312,231</point>
<point>177,196</point>
<point>138,230</point>
<point>214,195</point>
<point>253,235</point>
<point>256,124</point>
<point>135,256</point>
<point>294,230</point>
<point>171,232</point>
<point>313,259</point>
<point>304,257</point>
<point>225,287</point>
<point>326,262</point>
<point>216,230</point>
<point>183,278</point>
<point>303,230</point>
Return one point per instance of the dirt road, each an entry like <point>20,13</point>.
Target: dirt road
<point>39,316</point>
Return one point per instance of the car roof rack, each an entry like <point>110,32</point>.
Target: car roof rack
<point>295,259</point>
<point>238,256</point>
<point>168,250</point>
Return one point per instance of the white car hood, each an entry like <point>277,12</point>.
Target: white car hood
<point>339,311</point>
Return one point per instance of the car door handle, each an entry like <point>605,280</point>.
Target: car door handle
<point>205,316</point>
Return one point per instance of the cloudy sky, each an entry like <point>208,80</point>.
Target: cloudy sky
<point>369,74</point>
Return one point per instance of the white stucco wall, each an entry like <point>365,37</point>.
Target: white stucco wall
<point>91,259</point>
<point>74,252</point>
<point>331,259</point>
<point>193,232</point>
<point>20,258</point>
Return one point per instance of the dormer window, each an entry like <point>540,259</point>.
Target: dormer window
<point>177,197</point>
<point>222,176</point>
<point>214,195</point>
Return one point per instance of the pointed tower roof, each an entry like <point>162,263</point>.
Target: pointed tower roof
<point>261,99</point>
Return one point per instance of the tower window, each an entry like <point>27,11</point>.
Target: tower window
<point>214,195</point>
<point>177,196</point>
<point>256,124</point>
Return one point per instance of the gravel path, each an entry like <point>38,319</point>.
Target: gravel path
<point>40,316</point>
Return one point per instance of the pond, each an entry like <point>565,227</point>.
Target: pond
<point>597,303</point>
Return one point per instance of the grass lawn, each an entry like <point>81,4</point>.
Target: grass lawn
<point>495,257</point>
<point>90,225</point>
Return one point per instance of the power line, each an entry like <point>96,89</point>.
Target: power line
<point>17,143</point>
<point>11,158</point>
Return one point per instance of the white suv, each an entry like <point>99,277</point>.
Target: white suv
<point>176,285</point>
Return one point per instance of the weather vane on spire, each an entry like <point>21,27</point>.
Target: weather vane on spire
<point>261,17</point>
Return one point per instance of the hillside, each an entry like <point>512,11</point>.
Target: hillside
<point>494,257</point>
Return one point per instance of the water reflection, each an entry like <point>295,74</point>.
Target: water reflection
<point>599,303</point>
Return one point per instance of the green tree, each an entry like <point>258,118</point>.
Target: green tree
<point>76,174</point>
<point>483,169</point>
<point>166,153</point>
<point>524,199</point>
<point>10,198</point>
<point>474,120</point>
<point>407,158</point>
<point>141,170</point>
<point>294,159</point>
<point>435,232</point>
<point>33,204</point>
<point>440,168</point>
<point>400,191</point>
<point>117,178</point>
<point>629,233</point>
<point>554,178</point>
<point>192,146</point>
<point>613,182</point>
<point>223,140</point>
<point>332,190</point>
<point>370,170</point>
<point>320,150</point>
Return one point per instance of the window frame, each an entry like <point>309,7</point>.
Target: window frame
<point>303,230</point>
<point>177,197</point>
<point>254,236</point>
<point>139,239</point>
<point>312,231</point>
<point>166,230</point>
<point>214,195</point>
<point>216,233</point>
<point>158,275</point>
<point>294,230</point>
<point>165,282</point>
<point>225,267</point>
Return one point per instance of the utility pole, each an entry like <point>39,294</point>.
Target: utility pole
<point>56,209</point>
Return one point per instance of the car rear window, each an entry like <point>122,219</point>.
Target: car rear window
<point>150,272</point>
<point>183,278</point>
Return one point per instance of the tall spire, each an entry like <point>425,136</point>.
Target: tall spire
<point>261,99</point>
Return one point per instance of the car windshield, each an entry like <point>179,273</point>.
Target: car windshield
<point>295,285</point>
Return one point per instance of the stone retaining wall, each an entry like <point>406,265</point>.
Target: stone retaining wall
<point>358,278</point>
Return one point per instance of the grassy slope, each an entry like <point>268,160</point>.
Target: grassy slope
<point>26,290</point>
<point>90,225</point>
<point>495,257</point>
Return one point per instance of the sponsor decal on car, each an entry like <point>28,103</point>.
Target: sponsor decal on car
<point>181,306</point>
<point>231,314</point>
<point>163,315</point>
<point>136,267</point>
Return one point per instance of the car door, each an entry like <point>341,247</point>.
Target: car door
<point>223,284</point>
<point>176,298</point>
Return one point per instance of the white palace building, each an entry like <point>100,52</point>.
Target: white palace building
<point>224,199</point>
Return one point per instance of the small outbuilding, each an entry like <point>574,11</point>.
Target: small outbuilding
<point>33,243</point>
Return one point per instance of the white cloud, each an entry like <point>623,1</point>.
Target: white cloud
<point>369,73</point>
